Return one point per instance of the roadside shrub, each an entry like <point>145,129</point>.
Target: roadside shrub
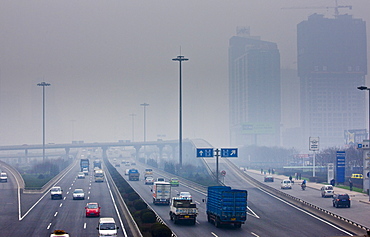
<point>160,230</point>
<point>133,196</point>
<point>142,212</point>
<point>139,204</point>
<point>148,217</point>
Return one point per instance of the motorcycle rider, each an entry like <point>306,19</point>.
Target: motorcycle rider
<point>303,185</point>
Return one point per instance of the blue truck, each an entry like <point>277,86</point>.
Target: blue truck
<point>97,163</point>
<point>133,175</point>
<point>226,206</point>
<point>84,163</point>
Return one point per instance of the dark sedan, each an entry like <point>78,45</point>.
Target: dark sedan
<point>269,178</point>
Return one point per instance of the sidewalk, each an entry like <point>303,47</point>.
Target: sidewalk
<point>355,196</point>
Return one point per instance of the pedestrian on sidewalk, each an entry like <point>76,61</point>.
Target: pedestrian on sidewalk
<point>290,178</point>
<point>350,184</point>
<point>261,171</point>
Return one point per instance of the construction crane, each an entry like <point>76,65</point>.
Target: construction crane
<point>336,8</point>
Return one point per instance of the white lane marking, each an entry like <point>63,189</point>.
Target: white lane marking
<point>115,206</point>
<point>88,192</point>
<point>197,202</point>
<point>253,213</point>
<point>64,198</point>
<point>56,213</point>
<point>67,192</point>
<point>72,184</point>
<point>88,197</point>
<point>214,234</point>
<point>48,226</point>
<point>70,188</point>
<point>85,225</point>
<point>299,209</point>
<point>254,234</point>
<point>61,205</point>
<point>44,194</point>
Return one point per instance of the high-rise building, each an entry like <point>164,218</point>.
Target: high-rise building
<point>254,90</point>
<point>332,63</point>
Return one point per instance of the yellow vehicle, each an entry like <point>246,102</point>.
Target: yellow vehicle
<point>357,176</point>
<point>148,172</point>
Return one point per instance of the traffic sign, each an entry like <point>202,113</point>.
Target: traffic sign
<point>229,152</point>
<point>223,172</point>
<point>204,152</point>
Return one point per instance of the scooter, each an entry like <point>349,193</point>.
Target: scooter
<point>303,186</point>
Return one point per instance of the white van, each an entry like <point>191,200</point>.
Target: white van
<point>107,227</point>
<point>286,184</point>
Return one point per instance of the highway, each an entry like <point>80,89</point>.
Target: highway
<point>46,215</point>
<point>268,215</point>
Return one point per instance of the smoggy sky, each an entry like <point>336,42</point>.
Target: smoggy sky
<point>105,58</point>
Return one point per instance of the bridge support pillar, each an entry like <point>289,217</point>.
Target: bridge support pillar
<point>137,149</point>
<point>104,153</point>
<point>67,152</point>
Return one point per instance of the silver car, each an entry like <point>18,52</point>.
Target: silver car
<point>78,194</point>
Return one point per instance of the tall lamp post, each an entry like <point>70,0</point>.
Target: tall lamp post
<point>144,105</point>
<point>133,127</point>
<point>368,89</point>
<point>180,59</point>
<point>43,84</point>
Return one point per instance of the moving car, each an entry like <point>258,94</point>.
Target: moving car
<point>341,200</point>
<point>127,171</point>
<point>107,227</point>
<point>3,177</point>
<point>185,195</point>
<point>174,182</point>
<point>78,194</point>
<point>92,209</point>
<point>286,184</point>
<point>85,171</point>
<point>59,233</point>
<point>161,179</point>
<point>149,180</point>
<point>327,191</point>
<point>269,178</point>
<point>80,175</point>
<point>56,192</point>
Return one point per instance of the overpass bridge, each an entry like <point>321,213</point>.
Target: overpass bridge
<point>189,148</point>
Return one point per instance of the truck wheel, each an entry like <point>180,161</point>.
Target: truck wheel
<point>194,221</point>
<point>176,220</point>
<point>217,224</point>
<point>208,218</point>
<point>171,217</point>
<point>237,225</point>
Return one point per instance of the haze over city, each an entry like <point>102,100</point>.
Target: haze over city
<point>105,58</point>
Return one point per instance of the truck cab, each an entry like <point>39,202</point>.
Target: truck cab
<point>183,209</point>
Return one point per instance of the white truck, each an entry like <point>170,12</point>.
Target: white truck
<point>99,175</point>
<point>184,210</point>
<point>3,177</point>
<point>161,193</point>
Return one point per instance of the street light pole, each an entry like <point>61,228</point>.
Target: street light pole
<point>368,89</point>
<point>144,105</point>
<point>133,127</point>
<point>43,84</point>
<point>180,59</point>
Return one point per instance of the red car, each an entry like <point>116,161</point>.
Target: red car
<point>92,209</point>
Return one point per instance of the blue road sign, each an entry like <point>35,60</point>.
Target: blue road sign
<point>229,152</point>
<point>204,152</point>
<point>359,145</point>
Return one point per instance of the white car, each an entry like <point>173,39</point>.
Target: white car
<point>81,175</point>
<point>327,191</point>
<point>286,184</point>
<point>78,194</point>
<point>56,192</point>
<point>85,171</point>
<point>149,180</point>
<point>185,195</point>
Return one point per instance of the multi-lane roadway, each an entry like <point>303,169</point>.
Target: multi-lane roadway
<point>268,215</point>
<point>39,215</point>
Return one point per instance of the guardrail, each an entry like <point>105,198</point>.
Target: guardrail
<point>343,222</point>
<point>130,220</point>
